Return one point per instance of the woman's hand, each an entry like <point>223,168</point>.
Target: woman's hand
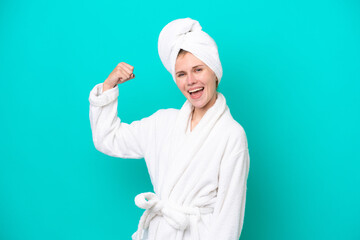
<point>122,73</point>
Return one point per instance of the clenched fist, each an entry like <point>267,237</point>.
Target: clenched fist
<point>122,73</point>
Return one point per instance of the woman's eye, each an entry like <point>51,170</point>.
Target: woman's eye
<point>180,74</point>
<point>199,69</point>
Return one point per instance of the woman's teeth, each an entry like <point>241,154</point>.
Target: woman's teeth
<point>196,90</point>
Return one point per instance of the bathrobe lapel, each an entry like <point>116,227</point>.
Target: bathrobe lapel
<point>184,147</point>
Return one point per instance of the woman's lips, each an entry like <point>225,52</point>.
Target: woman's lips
<point>197,94</point>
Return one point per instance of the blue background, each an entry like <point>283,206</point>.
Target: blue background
<point>291,79</point>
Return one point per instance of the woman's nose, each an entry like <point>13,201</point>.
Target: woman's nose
<point>191,79</point>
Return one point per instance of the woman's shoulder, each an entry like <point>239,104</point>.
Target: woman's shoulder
<point>166,113</point>
<point>165,116</point>
<point>236,133</point>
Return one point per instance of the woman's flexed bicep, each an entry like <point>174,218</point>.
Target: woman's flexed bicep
<point>110,135</point>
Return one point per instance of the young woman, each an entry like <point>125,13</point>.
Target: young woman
<point>197,157</point>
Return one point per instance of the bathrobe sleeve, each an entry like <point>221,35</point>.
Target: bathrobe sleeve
<point>228,216</point>
<point>110,135</point>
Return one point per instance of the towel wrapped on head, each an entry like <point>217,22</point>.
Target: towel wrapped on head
<point>186,34</point>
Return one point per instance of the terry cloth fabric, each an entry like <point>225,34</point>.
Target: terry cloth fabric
<point>187,34</point>
<point>199,177</point>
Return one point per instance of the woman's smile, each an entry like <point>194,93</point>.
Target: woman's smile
<point>196,93</point>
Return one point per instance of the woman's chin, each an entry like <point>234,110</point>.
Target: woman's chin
<point>197,104</point>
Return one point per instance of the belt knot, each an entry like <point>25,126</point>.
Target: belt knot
<point>179,217</point>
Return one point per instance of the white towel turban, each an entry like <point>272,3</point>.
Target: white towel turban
<point>186,33</point>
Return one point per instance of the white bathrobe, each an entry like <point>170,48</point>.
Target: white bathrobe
<point>199,176</point>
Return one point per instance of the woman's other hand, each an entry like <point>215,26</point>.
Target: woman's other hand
<point>122,73</point>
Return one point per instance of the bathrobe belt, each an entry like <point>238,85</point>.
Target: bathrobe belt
<point>179,217</point>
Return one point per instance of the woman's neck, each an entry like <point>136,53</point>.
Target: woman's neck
<point>198,113</point>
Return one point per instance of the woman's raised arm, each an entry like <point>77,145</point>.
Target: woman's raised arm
<point>110,135</point>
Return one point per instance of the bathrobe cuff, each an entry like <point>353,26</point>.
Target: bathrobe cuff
<point>99,98</point>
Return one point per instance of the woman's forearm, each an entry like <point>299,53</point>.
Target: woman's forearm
<point>107,86</point>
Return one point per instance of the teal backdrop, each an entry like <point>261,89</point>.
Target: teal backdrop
<point>291,79</point>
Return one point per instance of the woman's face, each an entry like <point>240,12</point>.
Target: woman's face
<point>195,80</point>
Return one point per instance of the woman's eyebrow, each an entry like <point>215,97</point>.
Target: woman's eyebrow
<point>198,66</point>
<point>181,71</point>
